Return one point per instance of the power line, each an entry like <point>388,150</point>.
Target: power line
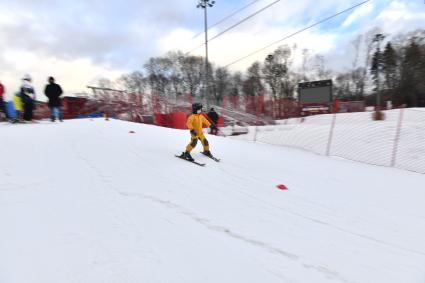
<point>222,20</point>
<point>237,24</point>
<point>228,17</point>
<point>297,32</point>
<point>244,20</point>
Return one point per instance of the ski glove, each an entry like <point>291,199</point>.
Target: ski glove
<point>193,133</point>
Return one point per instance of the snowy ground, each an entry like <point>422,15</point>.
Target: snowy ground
<point>87,201</point>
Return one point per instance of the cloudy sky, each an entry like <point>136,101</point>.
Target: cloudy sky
<point>81,41</point>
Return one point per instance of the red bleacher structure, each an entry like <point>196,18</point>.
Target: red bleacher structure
<point>72,107</point>
<point>235,111</point>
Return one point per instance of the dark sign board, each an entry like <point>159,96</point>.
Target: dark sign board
<point>315,92</point>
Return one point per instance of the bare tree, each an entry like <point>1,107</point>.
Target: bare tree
<point>157,75</point>
<point>322,73</point>
<point>134,82</point>
<point>192,69</point>
<point>252,85</point>
<point>222,84</point>
<point>304,66</point>
<point>277,75</point>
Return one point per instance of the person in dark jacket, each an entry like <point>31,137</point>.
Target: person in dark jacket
<point>213,116</point>
<point>28,97</point>
<point>53,91</point>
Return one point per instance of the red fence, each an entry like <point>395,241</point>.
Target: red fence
<point>171,112</point>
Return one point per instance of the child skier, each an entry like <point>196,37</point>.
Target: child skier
<point>194,123</point>
<point>17,103</point>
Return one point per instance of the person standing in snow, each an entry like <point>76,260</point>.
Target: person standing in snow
<point>2,103</point>
<point>194,123</point>
<point>213,116</point>
<point>27,97</point>
<point>53,91</point>
<point>19,107</point>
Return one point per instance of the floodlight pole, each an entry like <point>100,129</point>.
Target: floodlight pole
<point>204,4</point>
<point>378,39</point>
<point>206,50</point>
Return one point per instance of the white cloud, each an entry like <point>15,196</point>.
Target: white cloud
<point>399,17</point>
<point>80,40</point>
<point>178,39</point>
<point>334,43</point>
<point>358,14</point>
<point>72,75</point>
<point>257,33</point>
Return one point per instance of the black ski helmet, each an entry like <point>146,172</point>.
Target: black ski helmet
<point>196,107</point>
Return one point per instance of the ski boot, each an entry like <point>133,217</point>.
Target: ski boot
<point>207,153</point>
<point>186,155</point>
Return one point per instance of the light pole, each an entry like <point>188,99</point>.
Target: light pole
<point>204,4</point>
<point>378,39</point>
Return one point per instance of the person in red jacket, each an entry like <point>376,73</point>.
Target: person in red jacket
<point>2,103</point>
<point>1,90</point>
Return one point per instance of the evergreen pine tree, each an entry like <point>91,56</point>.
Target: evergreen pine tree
<point>390,73</point>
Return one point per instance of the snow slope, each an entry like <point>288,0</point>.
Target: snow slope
<point>87,201</point>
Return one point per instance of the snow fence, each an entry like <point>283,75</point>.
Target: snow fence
<point>398,141</point>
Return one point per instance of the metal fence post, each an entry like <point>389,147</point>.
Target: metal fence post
<point>331,133</point>
<point>397,137</point>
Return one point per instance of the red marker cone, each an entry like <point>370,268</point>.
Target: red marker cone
<point>282,187</point>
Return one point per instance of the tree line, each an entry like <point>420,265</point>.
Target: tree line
<point>391,66</point>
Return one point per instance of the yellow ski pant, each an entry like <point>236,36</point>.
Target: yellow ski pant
<point>194,141</point>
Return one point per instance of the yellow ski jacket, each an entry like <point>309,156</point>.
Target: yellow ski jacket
<point>195,122</point>
<point>17,103</point>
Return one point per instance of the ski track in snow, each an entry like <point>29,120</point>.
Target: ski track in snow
<point>317,221</point>
<point>217,228</point>
<point>213,227</point>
